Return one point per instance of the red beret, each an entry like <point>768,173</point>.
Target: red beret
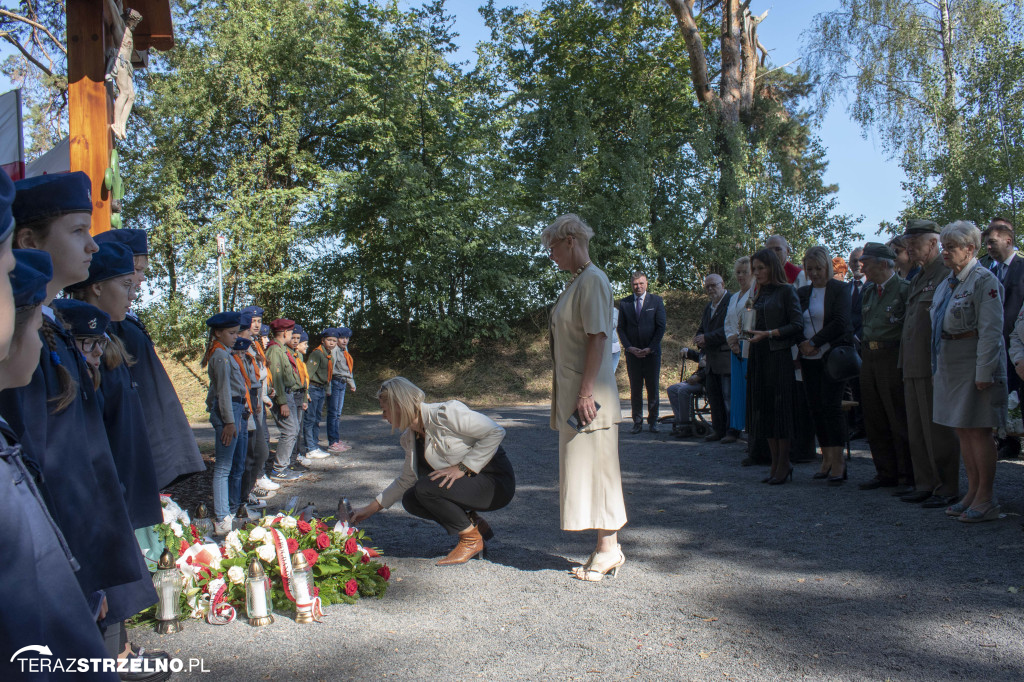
<point>281,324</point>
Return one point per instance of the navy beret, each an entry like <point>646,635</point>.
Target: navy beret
<point>253,310</point>
<point>81,318</point>
<point>297,329</point>
<point>52,195</point>
<point>33,270</point>
<point>303,336</point>
<point>265,330</point>
<point>344,332</point>
<point>134,239</point>
<point>225,320</point>
<point>242,343</point>
<point>6,199</point>
<point>328,333</point>
<point>244,319</point>
<point>112,260</point>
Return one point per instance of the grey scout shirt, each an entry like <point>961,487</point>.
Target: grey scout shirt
<point>226,382</point>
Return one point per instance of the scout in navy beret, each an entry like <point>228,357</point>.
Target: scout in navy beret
<point>33,270</point>
<point>6,199</point>
<point>919,226</point>
<point>303,337</point>
<point>242,343</point>
<point>344,332</point>
<point>876,250</point>
<point>297,329</point>
<point>81,318</point>
<point>329,333</point>
<point>46,196</point>
<point>253,310</point>
<point>112,260</point>
<point>134,239</point>
<point>244,319</point>
<point>225,320</point>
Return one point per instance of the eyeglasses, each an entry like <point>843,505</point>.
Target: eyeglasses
<point>88,344</point>
<point>557,241</point>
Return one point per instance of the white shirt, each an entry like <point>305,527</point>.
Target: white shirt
<point>814,319</point>
<point>615,325</point>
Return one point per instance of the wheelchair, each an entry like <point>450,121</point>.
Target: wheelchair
<point>700,407</point>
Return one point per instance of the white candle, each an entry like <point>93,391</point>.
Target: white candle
<point>259,599</point>
<point>168,609</point>
<point>300,589</point>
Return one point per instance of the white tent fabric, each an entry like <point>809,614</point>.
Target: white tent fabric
<point>57,160</point>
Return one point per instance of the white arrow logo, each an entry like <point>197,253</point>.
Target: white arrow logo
<point>33,647</point>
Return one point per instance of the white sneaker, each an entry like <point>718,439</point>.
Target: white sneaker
<point>224,526</point>
<point>267,484</point>
<point>317,454</point>
<point>304,461</point>
<point>259,493</point>
<point>256,502</point>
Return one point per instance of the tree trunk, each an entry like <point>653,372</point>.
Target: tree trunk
<point>732,63</point>
<point>683,11</point>
<point>749,54</point>
<point>946,31</point>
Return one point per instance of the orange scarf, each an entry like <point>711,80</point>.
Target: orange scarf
<point>330,362</point>
<point>303,372</point>
<point>245,374</point>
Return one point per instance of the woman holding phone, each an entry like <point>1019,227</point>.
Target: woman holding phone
<point>590,485</point>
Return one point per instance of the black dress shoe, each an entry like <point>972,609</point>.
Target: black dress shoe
<point>916,497</point>
<point>748,462</point>
<point>875,483</point>
<point>653,428</point>
<point>637,428</point>
<point>147,662</point>
<point>683,432</point>
<point>904,490</point>
<point>714,437</point>
<point>939,501</point>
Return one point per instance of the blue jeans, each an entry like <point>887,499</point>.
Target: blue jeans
<point>334,406</point>
<point>230,462</point>
<point>311,422</point>
<point>738,398</point>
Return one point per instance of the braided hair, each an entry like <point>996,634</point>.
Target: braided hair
<point>68,385</point>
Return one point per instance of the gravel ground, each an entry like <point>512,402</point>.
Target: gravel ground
<point>725,579</point>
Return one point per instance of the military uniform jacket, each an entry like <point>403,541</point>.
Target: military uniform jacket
<point>974,305</point>
<point>883,317</point>
<point>282,373</point>
<point>174,448</point>
<point>916,343</point>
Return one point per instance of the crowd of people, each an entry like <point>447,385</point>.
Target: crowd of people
<point>917,342</point>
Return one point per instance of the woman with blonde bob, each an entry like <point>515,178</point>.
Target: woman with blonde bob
<point>584,398</point>
<point>454,466</point>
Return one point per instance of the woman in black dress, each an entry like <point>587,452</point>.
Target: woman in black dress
<point>770,374</point>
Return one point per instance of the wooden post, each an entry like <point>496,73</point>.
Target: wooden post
<point>89,106</point>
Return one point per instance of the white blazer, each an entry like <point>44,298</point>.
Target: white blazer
<point>454,434</point>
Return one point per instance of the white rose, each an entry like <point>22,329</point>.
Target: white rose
<point>176,529</point>
<point>257,534</point>
<point>267,520</point>
<point>236,575</point>
<point>266,553</point>
<point>289,522</point>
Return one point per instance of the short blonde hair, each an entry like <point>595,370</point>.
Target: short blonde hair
<point>962,233</point>
<point>568,225</point>
<point>820,256</point>
<point>404,399</point>
<point>742,261</point>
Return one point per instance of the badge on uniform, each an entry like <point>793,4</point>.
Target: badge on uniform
<point>993,293</point>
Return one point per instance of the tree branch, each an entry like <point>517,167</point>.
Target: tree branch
<point>34,24</point>
<point>7,36</point>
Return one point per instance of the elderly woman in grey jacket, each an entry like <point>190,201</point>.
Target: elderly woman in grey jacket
<point>968,365</point>
<point>454,466</point>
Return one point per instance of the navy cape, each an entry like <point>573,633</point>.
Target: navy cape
<point>175,452</point>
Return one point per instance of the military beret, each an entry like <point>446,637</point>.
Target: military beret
<point>281,324</point>
<point>242,343</point>
<point>112,260</point>
<point>264,330</point>
<point>33,270</point>
<point>329,333</point>
<point>136,240</point>
<point>224,320</point>
<point>253,310</point>
<point>919,226</point>
<point>876,250</point>
<point>6,199</point>
<point>244,319</point>
<point>51,195</point>
<point>343,332</point>
<point>81,318</point>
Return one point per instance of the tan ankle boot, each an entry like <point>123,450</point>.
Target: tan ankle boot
<point>471,544</point>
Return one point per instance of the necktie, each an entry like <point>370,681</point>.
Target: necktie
<point>1001,271</point>
<point>881,290</point>
<point>639,305</point>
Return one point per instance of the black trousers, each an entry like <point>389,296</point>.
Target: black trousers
<point>715,390</point>
<point>492,488</point>
<point>644,372</point>
<point>825,403</point>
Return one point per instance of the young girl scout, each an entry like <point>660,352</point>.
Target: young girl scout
<point>227,402</point>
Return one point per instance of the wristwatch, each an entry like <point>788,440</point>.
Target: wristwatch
<point>466,470</point>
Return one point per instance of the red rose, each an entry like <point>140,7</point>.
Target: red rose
<point>195,532</point>
<point>351,587</point>
<point>322,526</point>
<point>311,556</point>
<point>293,546</point>
<point>365,559</point>
<point>384,572</point>
<point>323,541</point>
<point>303,527</point>
<point>351,546</point>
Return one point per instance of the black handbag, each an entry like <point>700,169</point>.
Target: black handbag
<point>842,363</point>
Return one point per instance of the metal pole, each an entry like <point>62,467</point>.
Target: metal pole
<point>220,284</point>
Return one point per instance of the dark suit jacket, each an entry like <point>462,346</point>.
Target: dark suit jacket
<point>856,320</point>
<point>1013,285</point>
<point>837,329</point>
<point>713,328</point>
<point>781,308</point>
<point>648,330</point>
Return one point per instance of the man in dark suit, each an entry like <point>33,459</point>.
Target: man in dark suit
<point>857,281</point>
<point>641,326</point>
<point>1009,268</point>
<point>711,339</point>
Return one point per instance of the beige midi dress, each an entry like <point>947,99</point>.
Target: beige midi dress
<point>590,485</point>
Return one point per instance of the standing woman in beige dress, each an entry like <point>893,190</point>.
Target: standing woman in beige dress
<point>583,382</point>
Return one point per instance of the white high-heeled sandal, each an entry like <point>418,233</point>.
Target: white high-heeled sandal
<point>593,571</point>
